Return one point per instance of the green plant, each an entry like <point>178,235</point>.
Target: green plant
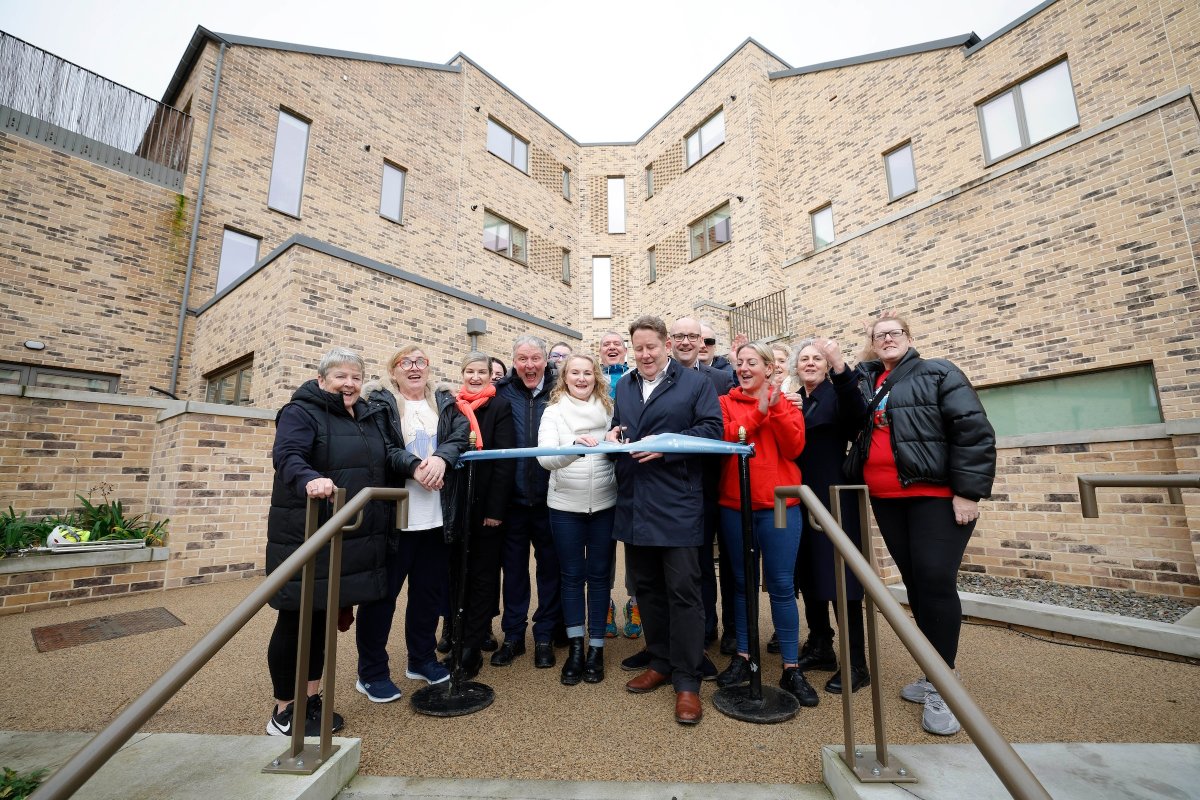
<point>16,787</point>
<point>17,531</point>
<point>107,521</point>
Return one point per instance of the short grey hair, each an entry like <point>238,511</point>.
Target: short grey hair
<point>339,356</point>
<point>795,356</point>
<point>474,356</point>
<point>529,338</point>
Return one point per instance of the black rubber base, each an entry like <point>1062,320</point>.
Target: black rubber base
<point>775,706</point>
<point>436,700</point>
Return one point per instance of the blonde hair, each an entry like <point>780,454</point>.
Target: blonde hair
<point>396,358</point>
<point>599,390</point>
<point>764,352</point>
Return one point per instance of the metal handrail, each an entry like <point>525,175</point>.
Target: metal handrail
<point>1012,771</point>
<point>1174,484</point>
<point>101,747</point>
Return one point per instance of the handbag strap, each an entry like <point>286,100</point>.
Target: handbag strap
<point>891,380</point>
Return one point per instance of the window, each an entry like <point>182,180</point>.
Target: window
<point>391,193</point>
<point>706,138</point>
<point>501,236</point>
<point>1028,113</point>
<point>57,378</point>
<point>649,181</point>
<point>239,252</point>
<point>822,227</point>
<point>711,232</point>
<point>566,183</point>
<point>616,205</point>
<point>287,167</point>
<point>506,144</point>
<point>651,266</point>
<point>1108,399</point>
<point>566,268</point>
<point>231,385</point>
<point>901,174</point>
<point>602,287</point>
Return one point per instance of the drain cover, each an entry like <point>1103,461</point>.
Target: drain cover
<point>101,629</point>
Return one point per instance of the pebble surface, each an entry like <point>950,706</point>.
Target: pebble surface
<point>1157,608</point>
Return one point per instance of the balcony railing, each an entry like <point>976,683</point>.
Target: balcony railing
<point>69,108</point>
<point>762,320</point>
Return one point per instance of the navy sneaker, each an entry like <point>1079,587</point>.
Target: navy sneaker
<point>431,672</point>
<point>380,691</point>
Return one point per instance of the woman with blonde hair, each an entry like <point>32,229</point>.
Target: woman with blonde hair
<point>582,499</point>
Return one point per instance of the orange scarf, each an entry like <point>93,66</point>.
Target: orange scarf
<point>468,402</point>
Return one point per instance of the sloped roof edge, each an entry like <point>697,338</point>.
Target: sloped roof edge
<point>975,48</point>
<point>965,40</point>
<point>500,83</point>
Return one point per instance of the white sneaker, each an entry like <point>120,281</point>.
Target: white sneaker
<point>917,691</point>
<point>937,718</point>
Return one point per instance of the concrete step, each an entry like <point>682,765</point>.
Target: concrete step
<point>377,788</point>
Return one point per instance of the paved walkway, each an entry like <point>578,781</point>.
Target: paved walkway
<point>539,729</point>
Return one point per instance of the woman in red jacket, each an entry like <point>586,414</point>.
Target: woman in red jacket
<point>776,429</point>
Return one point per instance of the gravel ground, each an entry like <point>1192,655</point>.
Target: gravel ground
<point>1086,598</point>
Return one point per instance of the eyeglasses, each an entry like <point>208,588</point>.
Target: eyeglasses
<point>558,356</point>
<point>686,337</point>
<point>893,335</point>
<point>408,363</point>
<point>710,342</point>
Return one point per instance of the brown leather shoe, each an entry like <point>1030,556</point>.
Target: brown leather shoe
<point>688,710</point>
<point>648,681</point>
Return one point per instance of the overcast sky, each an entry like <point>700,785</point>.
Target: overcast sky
<point>602,71</point>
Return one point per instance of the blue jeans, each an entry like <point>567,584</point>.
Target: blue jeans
<point>525,526</point>
<point>778,551</point>
<point>585,548</point>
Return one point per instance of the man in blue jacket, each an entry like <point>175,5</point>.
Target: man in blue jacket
<point>658,517</point>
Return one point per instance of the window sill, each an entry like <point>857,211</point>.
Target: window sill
<point>1076,128</point>
<point>288,214</point>
<point>507,257</point>
<point>511,164</point>
<point>399,222</point>
<point>715,249</point>
<point>902,196</point>
<point>699,160</point>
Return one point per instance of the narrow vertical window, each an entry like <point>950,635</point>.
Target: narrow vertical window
<point>822,227</point>
<point>650,181</point>
<point>602,287</point>
<point>287,165</point>
<point>239,253</point>
<point>566,267</point>
<point>566,183</point>
<point>616,205</point>
<point>651,266</point>
<point>901,174</point>
<point>391,196</point>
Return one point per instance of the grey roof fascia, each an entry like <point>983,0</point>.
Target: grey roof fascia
<point>977,46</point>
<point>965,40</point>
<point>500,83</point>
<point>319,246</point>
<point>188,61</point>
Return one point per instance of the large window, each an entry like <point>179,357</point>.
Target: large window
<point>287,167</point>
<point>616,205</point>
<point>57,378</point>
<point>901,174</point>
<point>391,193</point>
<point>503,237</point>
<point>822,226</point>
<point>506,144</point>
<point>230,385</point>
<point>1028,113</point>
<point>239,252</point>
<point>602,287</point>
<point>706,138</point>
<point>711,232</point>
<point>1109,399</point>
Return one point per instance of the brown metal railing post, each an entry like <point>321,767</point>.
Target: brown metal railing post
<point>332,608</point>
<point>1174,484</point>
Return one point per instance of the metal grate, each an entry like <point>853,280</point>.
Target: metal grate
<point>101,629</point>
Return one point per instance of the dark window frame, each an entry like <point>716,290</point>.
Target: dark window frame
<point>489,213</point>
<point>29,374</point>
<point>235,369</point>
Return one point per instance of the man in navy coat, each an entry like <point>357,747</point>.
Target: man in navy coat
<point>658,517</point>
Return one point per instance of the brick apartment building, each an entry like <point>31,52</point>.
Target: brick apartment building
<point>1030,202</point>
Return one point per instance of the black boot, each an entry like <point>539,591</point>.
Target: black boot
<point>572,669</point>
<point>793,681</point>
<point>593,669</point>
<point>773,644</point>
<point>859,677</point>
<point>817,653</point>
<point>472,662</point>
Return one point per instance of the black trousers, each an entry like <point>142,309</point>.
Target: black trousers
<point>667,581</point>
<point>482,601</point>
<point>816,614</point>
<point>927,546</point>
<point>281,651</point>
<point>710,577</point>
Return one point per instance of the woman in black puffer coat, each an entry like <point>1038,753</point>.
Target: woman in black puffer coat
<point>928,456</point>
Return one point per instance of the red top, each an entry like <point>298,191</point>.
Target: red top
<point>778,439</point>
<point>880,470</point>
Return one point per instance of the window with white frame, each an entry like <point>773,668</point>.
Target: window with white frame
<point>706,138</point>
<point>287,165</point>
<point>616,205</point>
<point>230,385</point>
<point>391,192</point>
<point>602,287</point>
<point>822,226</point>
<point>1030,112</point>
<point>503,237</point>
<point>239,252</point>
<point>57,378</point>
<point>901,173</point>
<point>710,232</point>
<point>507,145</point>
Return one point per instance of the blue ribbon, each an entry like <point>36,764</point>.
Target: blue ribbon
<point>661,443</point>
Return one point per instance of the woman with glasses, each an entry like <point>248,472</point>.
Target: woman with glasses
<point>927,453</point>
<point>434,433</point>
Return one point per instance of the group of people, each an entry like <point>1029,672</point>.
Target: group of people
<point>911,429</point>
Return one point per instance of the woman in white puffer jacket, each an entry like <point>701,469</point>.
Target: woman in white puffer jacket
<point>582,499</point>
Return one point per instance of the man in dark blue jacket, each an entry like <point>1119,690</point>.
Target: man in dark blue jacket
<point>527,388</point>
<point>658,517</point>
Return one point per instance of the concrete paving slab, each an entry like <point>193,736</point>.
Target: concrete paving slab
<point>1073,771</point>
<point>377,788</point>
<point>184,766</point>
